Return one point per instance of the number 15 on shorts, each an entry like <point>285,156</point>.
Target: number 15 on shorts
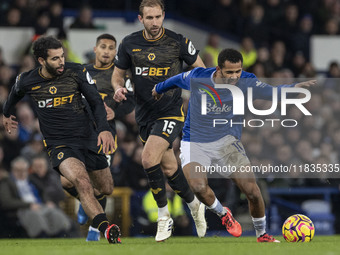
<point>169,126</point>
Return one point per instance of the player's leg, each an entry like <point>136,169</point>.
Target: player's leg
<point>179,184</point>
<point>82,218</point>
<point>74,170</point>
<point>198,181</point>
<point>102,181</point>
<point>247,184</point>
<point>152,154</point>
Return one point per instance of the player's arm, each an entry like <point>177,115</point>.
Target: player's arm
<point>181,80</point>
<point>129,104</point>
<point>265,91</point>
<point>118,83</point>
<point>16,94</point>
<point>198,63</point>
<point>305,84</point>
<point>122,64</point>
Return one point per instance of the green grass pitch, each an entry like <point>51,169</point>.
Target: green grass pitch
<point>325,245</point>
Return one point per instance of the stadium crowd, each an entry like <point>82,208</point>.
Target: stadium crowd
<point>274,39</point>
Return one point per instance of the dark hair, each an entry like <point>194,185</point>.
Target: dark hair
<point>150,3</point>
<point>106,36</point>
<point>230,55</point>
<point>43,44</point>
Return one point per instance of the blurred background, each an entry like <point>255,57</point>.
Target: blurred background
<point>280,41</point>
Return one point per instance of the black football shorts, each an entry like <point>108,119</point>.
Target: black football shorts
<point>167,128</point>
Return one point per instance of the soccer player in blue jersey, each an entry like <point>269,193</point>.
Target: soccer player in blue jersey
<point>204,146</point>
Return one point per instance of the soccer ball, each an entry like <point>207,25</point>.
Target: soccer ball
<point>298,228</point>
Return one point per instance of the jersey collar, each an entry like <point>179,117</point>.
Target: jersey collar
<point>103,68</point>
<point>42,76</point>
<point>153,40</point>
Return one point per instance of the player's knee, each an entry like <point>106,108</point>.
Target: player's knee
<point>147,162</point>
<point>253,193</point>
<point>198,187</point>
<point>107,189</point>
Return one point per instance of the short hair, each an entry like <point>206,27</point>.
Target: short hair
<point>150,3</point>
<point>18,160</point>
<point>106,36</point>
<point>230,55</point>
<point>43,44</point>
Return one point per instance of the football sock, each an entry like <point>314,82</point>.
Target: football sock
<point>73,192</point>
<point>259,225</point>
<point>102,200</point>
<point>100,222</point>
<point>217,208</point>
<point>180,185</point>
<point>157,184</point>
<point>163,212</point>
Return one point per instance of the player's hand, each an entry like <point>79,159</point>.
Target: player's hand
<point>305,84</point>
<point>106,139</point>
<point>110,114</point>
<point>120,94</point>
<point>10,123</point>
<point>155,95</point>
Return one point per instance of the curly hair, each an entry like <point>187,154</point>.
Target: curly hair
<point>43,44</point>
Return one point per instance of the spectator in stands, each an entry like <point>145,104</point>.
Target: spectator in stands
<point>298,63</point>
<point>288,25</point>
<point>11,146</point>
<point>3,95</point>
<point>55,13</point>
<point>70,55</point>
<point>34,147</point>
<point>248,52</point>
<point>27,63</point>
<point>7,75</point>
<point>331,27</point>
<point>13,18</point>
<point>28,123</point>
<point>26,12</point>
<point>2,61</point>
<point>21,197</point>
<point>226,16</point>
<point>210,52</point>
<point>256,26</point>
<point>42,173</point>
<point>300,41</point>
<point>42,23</point>
<point>84,19</point>
<point>274,11</point>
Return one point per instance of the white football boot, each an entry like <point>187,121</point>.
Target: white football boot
<point>199,219</point>
<point>164,228</point>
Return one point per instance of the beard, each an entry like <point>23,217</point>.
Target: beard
<point>154,33</point>
<point>53,71</point>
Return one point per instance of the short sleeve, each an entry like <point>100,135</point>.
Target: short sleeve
<point>188,51</point>
<point>122,59</point>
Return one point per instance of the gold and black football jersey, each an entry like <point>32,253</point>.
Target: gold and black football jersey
<point>151,62</point>
<point>58,103</point>
<point>102,79</point>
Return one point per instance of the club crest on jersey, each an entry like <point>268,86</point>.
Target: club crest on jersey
<point>151,56</point>
<point>60,155</point>
<point>53,90</point>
